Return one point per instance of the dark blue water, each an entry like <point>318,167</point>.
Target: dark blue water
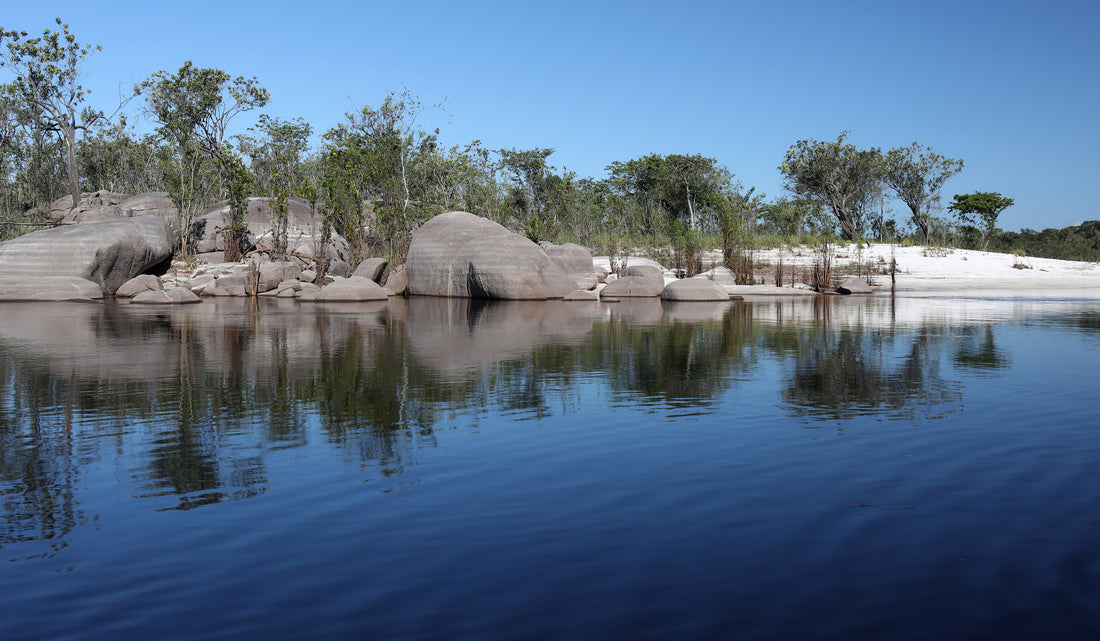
<point>907,469</point>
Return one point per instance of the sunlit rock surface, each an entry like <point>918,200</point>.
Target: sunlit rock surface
<point>108,252</point>
<point>458,254</point>
<point>694,289</point>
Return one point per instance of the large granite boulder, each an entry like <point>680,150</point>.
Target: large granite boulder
<point>459,254</point>
<point>576,261</point>
<point>397,282</point>
<point>108,252</point>
<point>272,273</point>
<point>724,276</point>
<point>303,229</point>
<point>695,289</point>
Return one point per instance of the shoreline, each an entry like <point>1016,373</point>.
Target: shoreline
<point>929,271</point>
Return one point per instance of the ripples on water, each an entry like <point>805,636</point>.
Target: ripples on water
<point>904,469</point>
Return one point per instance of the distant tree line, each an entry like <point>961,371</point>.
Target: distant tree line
<point>379,174</point>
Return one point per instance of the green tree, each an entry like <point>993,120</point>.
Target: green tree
<point>461,178</point>
<point>47,83</point>
<point>34,157</point>
<point>790,217</point>
<point>661,191</point>
<point>981,210</point>
<point>693,187</point>
<point>340,194</point>
<point>917,174</point>
<point>238,181</point>
<point>386,140</point>
<point>838,174</point>
<point>194,107</point>
<point>636,185</point>
<point>529,174</point>
<point>111,158</point>
<point>276,163</point>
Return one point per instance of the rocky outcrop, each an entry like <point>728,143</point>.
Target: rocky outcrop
<point>571,257</point>
<point>397,282</point>
<point>576,261</point>
<point>582,295</point>
<point>694,289</point>
<point>303,229</point>
<point>458,254</point>
<point>724,276</point>
<point>337,267</point>
<point>271,274</point>
<point>106,205</point>
<point>108,252</point>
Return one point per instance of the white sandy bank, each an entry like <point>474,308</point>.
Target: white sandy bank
<point>930,271</point>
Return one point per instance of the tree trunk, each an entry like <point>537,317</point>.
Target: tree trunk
<point>70,164</point>
<point>921,222</point>
<point>691,210</point>
<point>847,228</point>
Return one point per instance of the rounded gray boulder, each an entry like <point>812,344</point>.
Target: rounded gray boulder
<point>458,254</point>
<point>695,289</point>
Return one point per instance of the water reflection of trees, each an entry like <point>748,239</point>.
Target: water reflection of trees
<point>199,398</point>
<point>682,363</point>
<point>37,466</point>
<point>852,371</point>
<point>977,350</point>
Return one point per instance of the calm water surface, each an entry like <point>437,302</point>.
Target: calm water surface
<point>445,469</point>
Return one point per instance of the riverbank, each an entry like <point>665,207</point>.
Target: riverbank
<point>929,269</point>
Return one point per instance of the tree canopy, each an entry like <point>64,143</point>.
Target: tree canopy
<point>917,174</point>
<point>836,173</point>
<point>47,86</point>
<point>981,209</point>
<point>382,172</point>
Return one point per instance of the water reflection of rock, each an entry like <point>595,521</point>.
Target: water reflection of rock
<point>638,311</point>
<point>695,312</point>
<point>460,336</point>
<point>213,384</point>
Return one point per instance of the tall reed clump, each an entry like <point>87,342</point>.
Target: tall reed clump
<point>821,272</point>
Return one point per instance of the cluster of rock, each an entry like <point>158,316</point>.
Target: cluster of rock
<point>106,205</point>
<point>303,231</point>
<point>121,246</point>
<point>277,279</point>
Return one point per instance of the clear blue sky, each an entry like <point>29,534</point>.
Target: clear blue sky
<point>1012,88</point>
